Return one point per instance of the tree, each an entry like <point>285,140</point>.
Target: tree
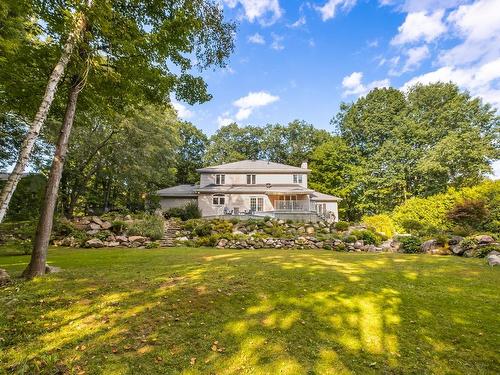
<point>75,33</point>
<point>119,47</point>
<point>336,170</point>
<point>190,153</point>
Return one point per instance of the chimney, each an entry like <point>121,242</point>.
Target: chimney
<point>304,165</point>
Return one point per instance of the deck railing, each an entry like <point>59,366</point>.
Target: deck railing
<point>293,205</point>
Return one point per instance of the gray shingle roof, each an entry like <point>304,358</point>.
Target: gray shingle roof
<point>253,166</point>
<point>316,196</point>
<point>178,191</point>
<point>261,189</point>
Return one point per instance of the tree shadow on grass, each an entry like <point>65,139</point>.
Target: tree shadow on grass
<point>255,312</point>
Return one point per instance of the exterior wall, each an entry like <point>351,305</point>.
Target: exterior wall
<point>171,202</point>
<point>241,201</point>
<point>330,207</point>
<point>260,179</point>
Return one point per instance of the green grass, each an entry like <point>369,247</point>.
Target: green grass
<point>126,311</point>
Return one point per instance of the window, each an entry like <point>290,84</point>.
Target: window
<point>250,179</point>
<point>218,200</point>
<point>256,204</point>
<point>297,178</point>
<point>220,179</point>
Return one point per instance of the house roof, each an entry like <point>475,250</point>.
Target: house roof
<point>178,191</point>
<point>253,166</point>
<point>316,196</point>
<point>255,189</point>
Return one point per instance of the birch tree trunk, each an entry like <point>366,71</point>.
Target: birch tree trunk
<point>38,260</point>
<point>41,115</point>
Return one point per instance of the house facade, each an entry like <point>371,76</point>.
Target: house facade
<point>254,188</point>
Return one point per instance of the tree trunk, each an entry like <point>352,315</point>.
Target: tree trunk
<point>37,264</point>
<point>41,115</point>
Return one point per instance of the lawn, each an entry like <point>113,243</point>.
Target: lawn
<point>210,311</point>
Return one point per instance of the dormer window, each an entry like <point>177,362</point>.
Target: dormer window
<point>220,179</point>
<point>297,178</point>
<point>250,179</point>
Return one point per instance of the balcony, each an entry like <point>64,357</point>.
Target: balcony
<point>292,205</point>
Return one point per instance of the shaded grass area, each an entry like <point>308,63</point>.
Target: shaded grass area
<point>203,311</point>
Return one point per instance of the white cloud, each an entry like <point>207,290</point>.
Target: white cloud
<point>420,26</point>
<point>414,57</point>
<point>182,111</point>
<point>256,39</point>
<point>410,6</point>
<point>277,43</point>
<point>479,25</point>
<point>479,80</point>
<point>329,9</point>
<point>266,12</point>
<point>253,100</point>
<point>300,22</point>
<point>353,84</point>
<point>224,120</point>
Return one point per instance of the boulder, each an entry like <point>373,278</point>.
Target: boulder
<point>69,242</point>
<point>359,244</point>
<point>121,238</point>
<point>493,258</point>
<point>455,240</point>
<point>484,239</point>
<point>92,232</point>
<point>81,226</point>
<point>113,244</point>
<point>94,242</point>
<point>97,220</point>
<point>94,226</point>
<point>139,239</point>
<point>269,224</point>
<point>428,245</point>
<point>106,225</point>
<point>52,269</point>
<point>128,218</point>
<point>310,230</point>
<point>222,243</point>
<point>4,277</point>
<point>183,239</point>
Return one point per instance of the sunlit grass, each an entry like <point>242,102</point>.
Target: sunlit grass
<point>202,311</point>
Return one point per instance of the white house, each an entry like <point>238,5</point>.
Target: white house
<point>253,187</point>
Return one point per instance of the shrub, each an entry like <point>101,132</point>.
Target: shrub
<point>153,245</point>
<point>468,243</point>
<point>482,251</point>
<point>367,236</point>
<point>341,225</point>
<point>150,226</point>
<point>189,211</point>
<point>119,226</point>
<point>380,223</point>
<point>203,230</point>
<point>234,220</point>
<point>350,238</point>
<point>409,244</point>
<point>340,247</point>
<point>469,213</point>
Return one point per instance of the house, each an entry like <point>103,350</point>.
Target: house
<point>253,188</point>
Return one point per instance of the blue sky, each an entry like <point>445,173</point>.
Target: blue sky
<point>300,59</point>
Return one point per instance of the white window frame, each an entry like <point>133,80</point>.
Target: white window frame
<point>251,179</point>
<point>254,204</point>
<point>220,179</point>
<point>218,200</point>
<point>297,179</point>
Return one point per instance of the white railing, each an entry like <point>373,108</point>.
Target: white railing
<point>292,205</point>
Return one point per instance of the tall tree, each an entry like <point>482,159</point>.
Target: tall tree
<point>190,153</point>
<point>139,59</point>
<point>78,24</point>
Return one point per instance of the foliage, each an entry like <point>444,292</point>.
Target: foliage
<point>341,225</point>
<point>150,226</point>
<point>119,226</point>
<point>381,223</point>
<point>27,199</point>
<point>367,236</point>
<point>469,212</point>
<point>189,211</point>
<point>190,152</point>
<point>409,244</point>
<point>350,238</point>
<point>483,251</point>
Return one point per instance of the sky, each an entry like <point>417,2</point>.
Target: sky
<point>301,59</point>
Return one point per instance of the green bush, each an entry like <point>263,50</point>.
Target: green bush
<point>119,226</point>
<point>482,251</point>
<point>153,245</point>
<point>367,236</point>
<point>468,243</point>
<point>150,226</point>
<point>189,211</point>
<point>380,223</point>
<point>350,238</point>
<point>409,244</point>
<point>205,229</point>
<point>341,225</point>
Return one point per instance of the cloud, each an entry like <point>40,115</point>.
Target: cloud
<point>479,80</point>
<point>224,120</point>
<point>256,39</point>
<point>277,43</point>
<point>410,6</point>
<point>420,26</point>
<point>182,111</point>
<point>353,84</point>
<point>300,22</point>
<point>266,12</point>
<point>329,9</point>
<point>414,57</point>
<point>247,104</point>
